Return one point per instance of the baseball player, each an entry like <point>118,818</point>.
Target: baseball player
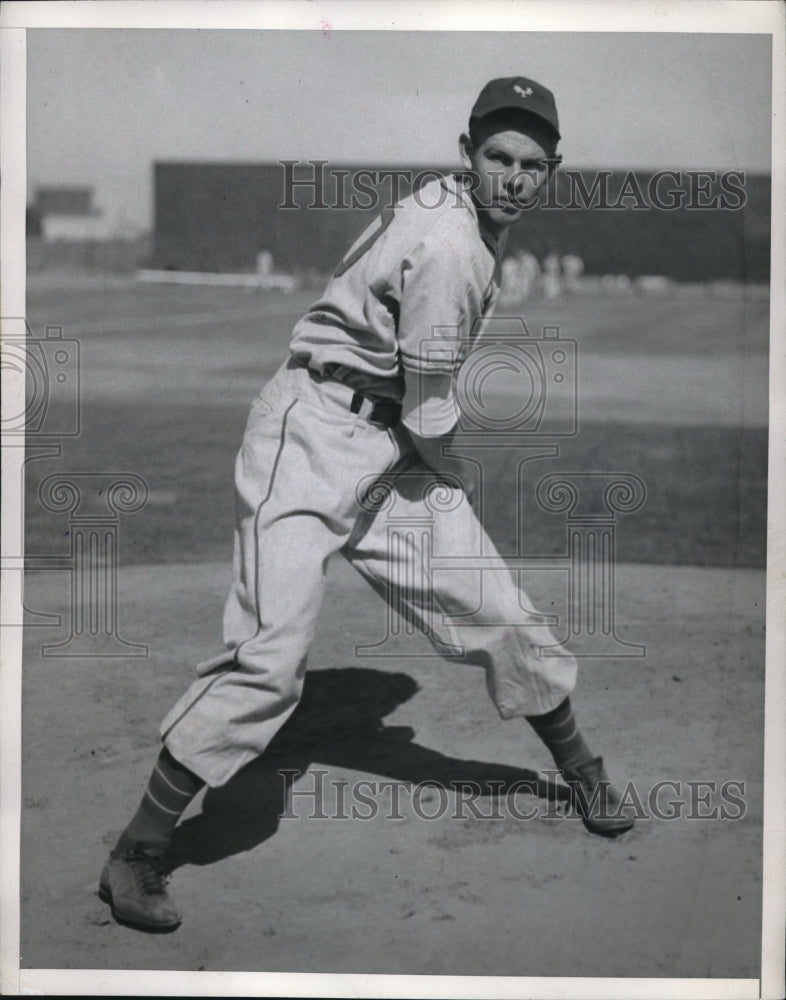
<point>367,397</point>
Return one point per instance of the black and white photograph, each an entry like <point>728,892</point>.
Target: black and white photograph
<point>392,465</point>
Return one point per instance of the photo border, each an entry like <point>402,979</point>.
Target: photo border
<point>722,16</point>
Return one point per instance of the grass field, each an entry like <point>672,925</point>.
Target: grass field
<point>672,389</point>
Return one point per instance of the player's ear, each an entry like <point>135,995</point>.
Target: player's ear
<point>554,161</point>
<point>466,149</point>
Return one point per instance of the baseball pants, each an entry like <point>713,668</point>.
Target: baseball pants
<point>313,479</point>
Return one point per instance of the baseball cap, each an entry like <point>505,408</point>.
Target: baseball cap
<point>519,93</point>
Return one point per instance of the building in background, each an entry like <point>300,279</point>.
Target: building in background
<point>67,214</point>
<point>66,231</point>
<point>62,200</point>
<point>218,217</point>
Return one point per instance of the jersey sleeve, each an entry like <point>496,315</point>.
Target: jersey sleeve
<point>433,310</point>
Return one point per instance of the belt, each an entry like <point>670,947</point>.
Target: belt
<point>376,409</point>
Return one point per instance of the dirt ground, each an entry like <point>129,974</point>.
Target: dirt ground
<point>453,895</point>
<point>467,892</point>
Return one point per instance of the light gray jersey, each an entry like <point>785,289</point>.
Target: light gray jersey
<point>403,299</point>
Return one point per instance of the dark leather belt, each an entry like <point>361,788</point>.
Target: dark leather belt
<point>383,411</point>
<point>376,409</point>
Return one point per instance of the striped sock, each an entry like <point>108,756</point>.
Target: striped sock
<point>171,787</point>
<point>559,732</point>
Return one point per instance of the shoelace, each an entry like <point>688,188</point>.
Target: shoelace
<point>149,871</point>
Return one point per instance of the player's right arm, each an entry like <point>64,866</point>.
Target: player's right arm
<point>435,301</point>
<point>433,308</point>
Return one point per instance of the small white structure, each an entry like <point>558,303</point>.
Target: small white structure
<point>264,262</point>
<point>76,228</point>
<point>653,284</point>
<point>285,282</point>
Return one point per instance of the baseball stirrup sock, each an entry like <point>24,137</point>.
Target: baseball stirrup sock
<point>559,732</point>
<point>171,787</point>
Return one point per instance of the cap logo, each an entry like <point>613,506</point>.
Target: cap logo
<point>523,92</point>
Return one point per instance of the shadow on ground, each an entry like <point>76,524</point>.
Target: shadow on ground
<point>338,723</point>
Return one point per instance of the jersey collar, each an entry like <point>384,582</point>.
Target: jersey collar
<point>456,184</point>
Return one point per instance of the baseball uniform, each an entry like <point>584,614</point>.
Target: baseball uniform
<point>382,336</point>
<point>346,450</point>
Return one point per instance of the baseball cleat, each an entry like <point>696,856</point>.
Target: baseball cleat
<point>597,801</point>
<point>134,885</point>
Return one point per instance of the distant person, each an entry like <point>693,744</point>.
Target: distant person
<point>572,269</point>
<point>529,271</point>
<point>363,395</point>
<point>264,262</point>
<point>552,276</point>
<point>520,277</point>
<point>512,292</point>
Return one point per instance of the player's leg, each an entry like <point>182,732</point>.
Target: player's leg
<point>172,784</point>
<point>301,457</point>
<point>477,617</point>
<point>228,716</point>
<point>471,616</point>
<point>134,877</point>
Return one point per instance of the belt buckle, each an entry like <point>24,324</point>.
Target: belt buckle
<point>379,411</point>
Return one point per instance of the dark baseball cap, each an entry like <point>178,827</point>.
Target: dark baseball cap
<point>521,94</point>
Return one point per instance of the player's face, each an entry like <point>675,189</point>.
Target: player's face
<point>509,168</point>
